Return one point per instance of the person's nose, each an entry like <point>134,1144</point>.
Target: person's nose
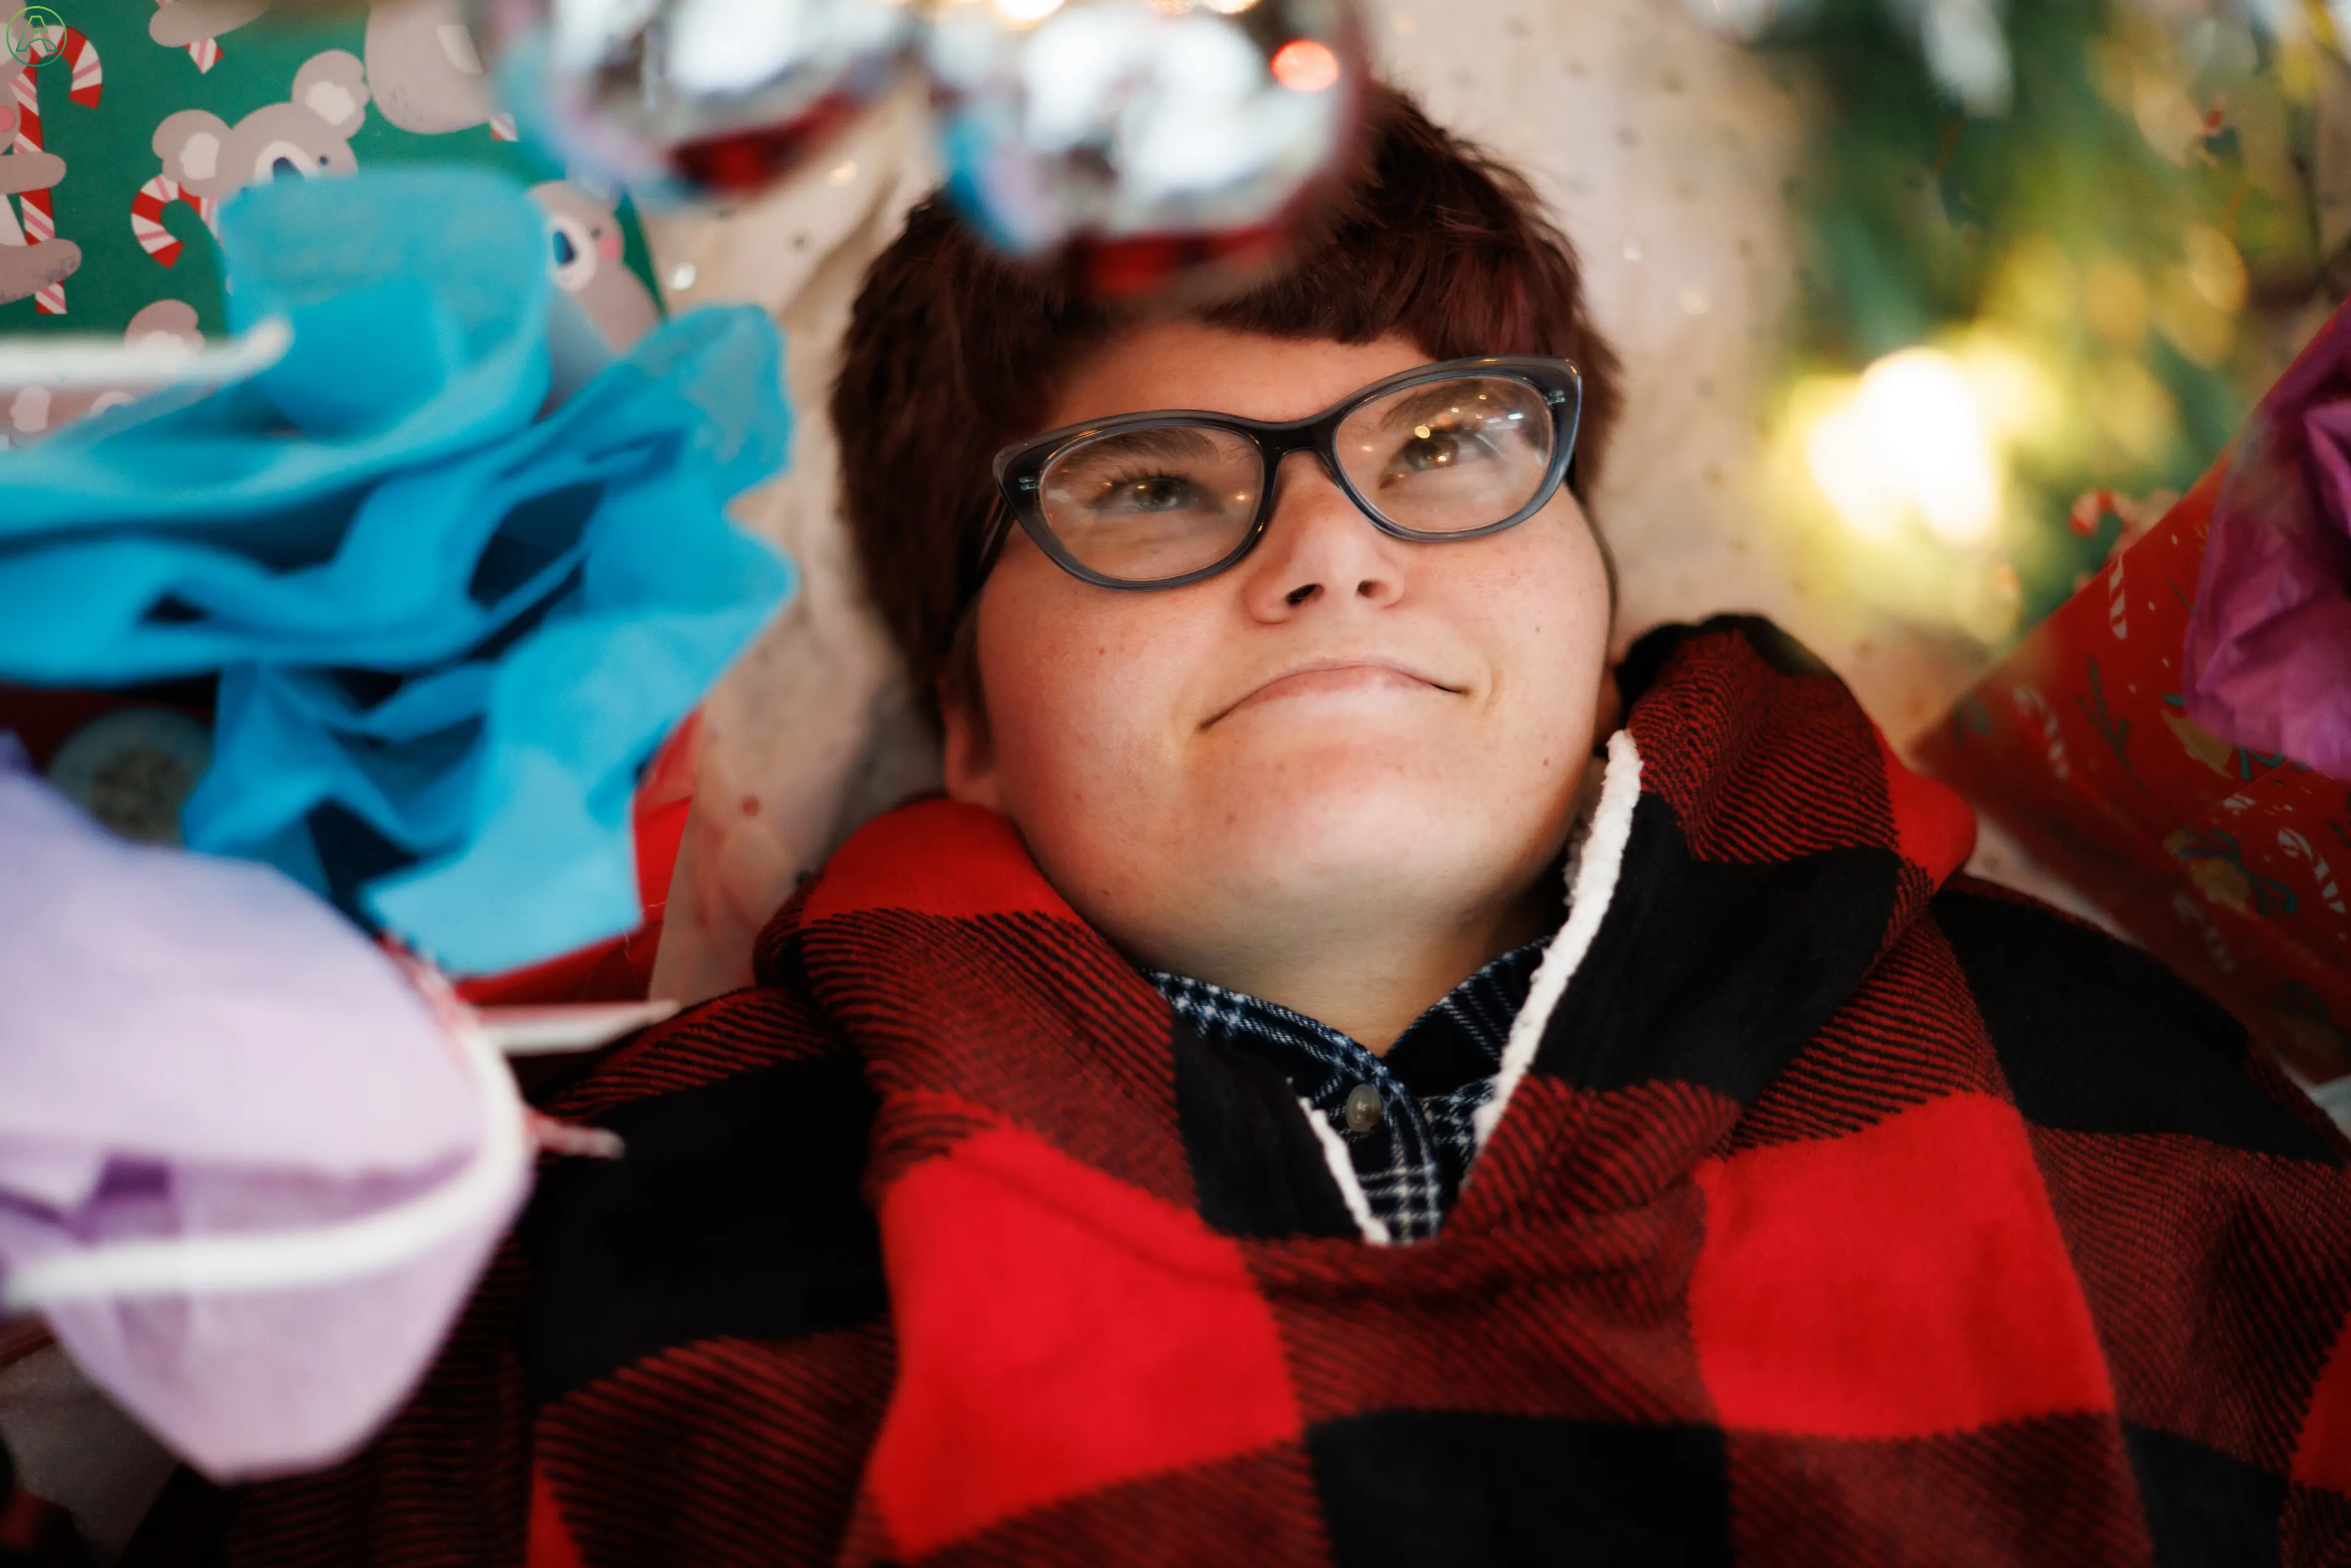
<point>1318,549</point>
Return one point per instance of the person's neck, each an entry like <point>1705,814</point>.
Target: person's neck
<point>1372,984</point>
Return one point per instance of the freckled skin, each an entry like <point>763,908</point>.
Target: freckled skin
<point>1351,845</point>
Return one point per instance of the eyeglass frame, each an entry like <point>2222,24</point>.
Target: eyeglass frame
<point>1019,468</point>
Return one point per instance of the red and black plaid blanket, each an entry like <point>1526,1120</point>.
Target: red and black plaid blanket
<point>1836,1209</point>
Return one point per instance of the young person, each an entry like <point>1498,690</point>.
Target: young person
<point>1341,1079</point>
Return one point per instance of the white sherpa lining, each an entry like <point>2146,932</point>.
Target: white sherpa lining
<point>1343,1171</point>
<point>1592,871</point>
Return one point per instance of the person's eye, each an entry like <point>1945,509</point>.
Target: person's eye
<point>1432,449</point>
<point>1144,494</point>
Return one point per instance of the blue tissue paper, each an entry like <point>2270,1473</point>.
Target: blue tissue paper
<point>450,624</point>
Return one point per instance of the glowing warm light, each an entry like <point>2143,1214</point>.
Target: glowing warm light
<point>1027,10</point>
<point>1912,442</point>
<point>1229,8</point>
<point>1302,64</point>
<point>1836,449</point>
<point>2020,406</point>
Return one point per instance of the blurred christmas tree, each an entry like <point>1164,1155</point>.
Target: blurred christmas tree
<point>2051,252</point>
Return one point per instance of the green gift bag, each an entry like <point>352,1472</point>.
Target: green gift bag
<point>125,124</point>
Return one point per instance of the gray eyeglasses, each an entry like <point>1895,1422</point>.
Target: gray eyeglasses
<point>1451,451</point>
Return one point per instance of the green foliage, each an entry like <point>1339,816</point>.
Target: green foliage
<point>2085,225</point>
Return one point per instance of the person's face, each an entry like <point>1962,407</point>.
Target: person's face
<point>1345,727</point>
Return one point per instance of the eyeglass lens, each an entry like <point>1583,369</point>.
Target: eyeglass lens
<point>1444,456</point>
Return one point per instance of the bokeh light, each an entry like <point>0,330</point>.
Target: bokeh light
<point>1912,442</point>
<point>1303,65</point>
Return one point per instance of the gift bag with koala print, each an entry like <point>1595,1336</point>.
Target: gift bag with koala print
<point>124,124</point>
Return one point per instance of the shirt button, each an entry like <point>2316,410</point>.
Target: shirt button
<point>1362,1109</point>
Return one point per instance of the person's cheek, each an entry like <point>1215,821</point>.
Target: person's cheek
<point>1553,634</point>
<point>1070,714</point>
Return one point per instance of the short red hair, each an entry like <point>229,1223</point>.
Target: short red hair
<point>954,351</point>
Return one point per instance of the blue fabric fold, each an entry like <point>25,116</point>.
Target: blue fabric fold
<point>450,627</point>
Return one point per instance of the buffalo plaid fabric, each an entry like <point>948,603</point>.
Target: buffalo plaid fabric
<point>1832,1208</point>
<point>1431,1082</point>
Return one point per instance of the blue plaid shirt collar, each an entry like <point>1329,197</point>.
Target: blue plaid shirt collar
<point>1413,1160</point>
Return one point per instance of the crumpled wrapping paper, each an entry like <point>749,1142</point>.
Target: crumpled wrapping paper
<point>450,628</point>
<point>2268,657</point>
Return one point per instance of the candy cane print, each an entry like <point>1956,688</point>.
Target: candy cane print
<point>40,224</point>
<point>2117,601</point>
<point>88,71</point>
<point>89,80</point>
<point>2088,508</point>
<point>205,52</point>
<point>147,217</point>
<point>2192,914</point>
<point>2033,705</point>
<point>2299,848</point>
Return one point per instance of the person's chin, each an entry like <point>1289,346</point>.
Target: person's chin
<point>1336,820</point>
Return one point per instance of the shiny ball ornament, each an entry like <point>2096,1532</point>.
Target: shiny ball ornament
<point>680,100</point>
<point>1144,143</point>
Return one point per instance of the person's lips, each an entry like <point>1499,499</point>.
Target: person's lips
<point>1332,675</point>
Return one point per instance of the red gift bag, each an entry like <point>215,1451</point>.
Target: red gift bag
<point>2231,865</point>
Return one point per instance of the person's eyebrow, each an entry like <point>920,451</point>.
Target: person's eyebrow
<point>1150,442</point>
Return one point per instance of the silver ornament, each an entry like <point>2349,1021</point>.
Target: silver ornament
<point>1143,140</point>
<point>683,99</point>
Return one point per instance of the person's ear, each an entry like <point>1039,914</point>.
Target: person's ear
<point>968,752</point>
